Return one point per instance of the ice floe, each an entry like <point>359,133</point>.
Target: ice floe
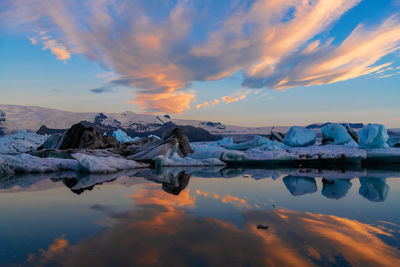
<point>20,142</point>
<point>25,163</point>
<point>93,164</point>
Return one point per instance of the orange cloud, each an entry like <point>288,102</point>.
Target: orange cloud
<point>164,102</point>
<point>235,97</point>
<point>205,104</point>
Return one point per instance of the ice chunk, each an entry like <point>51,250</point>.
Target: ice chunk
<point>123,137</point>
<point>394,142</point>
<point>25,163</point>
<point>298,186</point>
<point>225,141</point>
<point>300,137</point>
<point>373,189</point>
<point>256,142</point>
<point>335,133</point>
<point>328,152</point>
<point>373,136</point>
<point>207,151</point>
<point>335,189</point>
<point>94,164</point>
<point>21,142</point>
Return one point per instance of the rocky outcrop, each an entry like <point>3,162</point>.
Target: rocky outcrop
<point>172,140</point>
<point>277,136</point>
<point>79,136</point>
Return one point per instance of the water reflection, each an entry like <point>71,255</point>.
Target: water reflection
<point>335,189</point>
<point>374,189</point>
<point>298,185</point>
<point>163,231</point>
<point>202,217</point>
<point>335,184</point>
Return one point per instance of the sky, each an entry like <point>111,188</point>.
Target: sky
<point>250,63</point>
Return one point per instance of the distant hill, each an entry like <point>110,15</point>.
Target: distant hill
<point>320,125</point>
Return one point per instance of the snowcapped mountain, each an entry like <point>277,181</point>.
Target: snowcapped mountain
<point>14,117</point>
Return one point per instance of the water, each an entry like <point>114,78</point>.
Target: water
<point>202,217</point>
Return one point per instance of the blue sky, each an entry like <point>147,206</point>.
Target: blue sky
<point>238,62</point>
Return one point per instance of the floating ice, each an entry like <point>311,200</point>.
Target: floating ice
<point>256,142</point>
<point>93,164</point>
<point>123,137</point>
<point>373,136</point>
<point>300,137</point>
<point>25,163</point>
<point>336,133</point>
<point>207,151</point>
<point>225,141</point>
<point>173,159</point>
<point>21,142</point>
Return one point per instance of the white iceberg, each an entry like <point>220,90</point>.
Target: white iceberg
<point>123,137</point>
<point>93,164</point>
<point>21,142</point>
<point>300,137</point>
<point>256,142</point>
<point>25,163</point>
<point>205,151</point>
<point>373,136</point>
<point>337,133</point>
<point>173,159</point>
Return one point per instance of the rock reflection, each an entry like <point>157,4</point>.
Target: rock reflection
<point>163,231</point>
<point>335,189</point>
<point>177,184</point>
<point>374,189</point>
<point>298,185</point>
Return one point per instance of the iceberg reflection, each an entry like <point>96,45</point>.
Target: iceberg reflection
<point>298,186</point>
<point>374,189</point>
<point>335,189</point>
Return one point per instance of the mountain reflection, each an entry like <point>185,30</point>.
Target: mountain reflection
<point>163,231</point>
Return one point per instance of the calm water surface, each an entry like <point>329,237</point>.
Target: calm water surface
<point>202,217</point>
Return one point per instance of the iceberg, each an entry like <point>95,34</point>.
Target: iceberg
<point>25,163</point>
<point>207,152</point>
<point>123,137</point>
<point>298,186</point>
<point>336,134</point>
<point>256,142</point>
<point>173,159</point>
<point>373,136</point>
<point>21,142</point>
<point>93,164</point>
<point>225,141</point>
<point>300,137</point>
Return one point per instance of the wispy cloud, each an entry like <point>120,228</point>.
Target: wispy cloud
<point>274,42</point>
<point>103,89</point>
<point>235,97</point>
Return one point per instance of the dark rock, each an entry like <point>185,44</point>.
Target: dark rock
<point>167,116</point>
<point>79,136</point>
<point>262,226</point>
<point>194,134</point>
<point>44,130</point>
<point>172,140</point>
<point>277,136</point>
